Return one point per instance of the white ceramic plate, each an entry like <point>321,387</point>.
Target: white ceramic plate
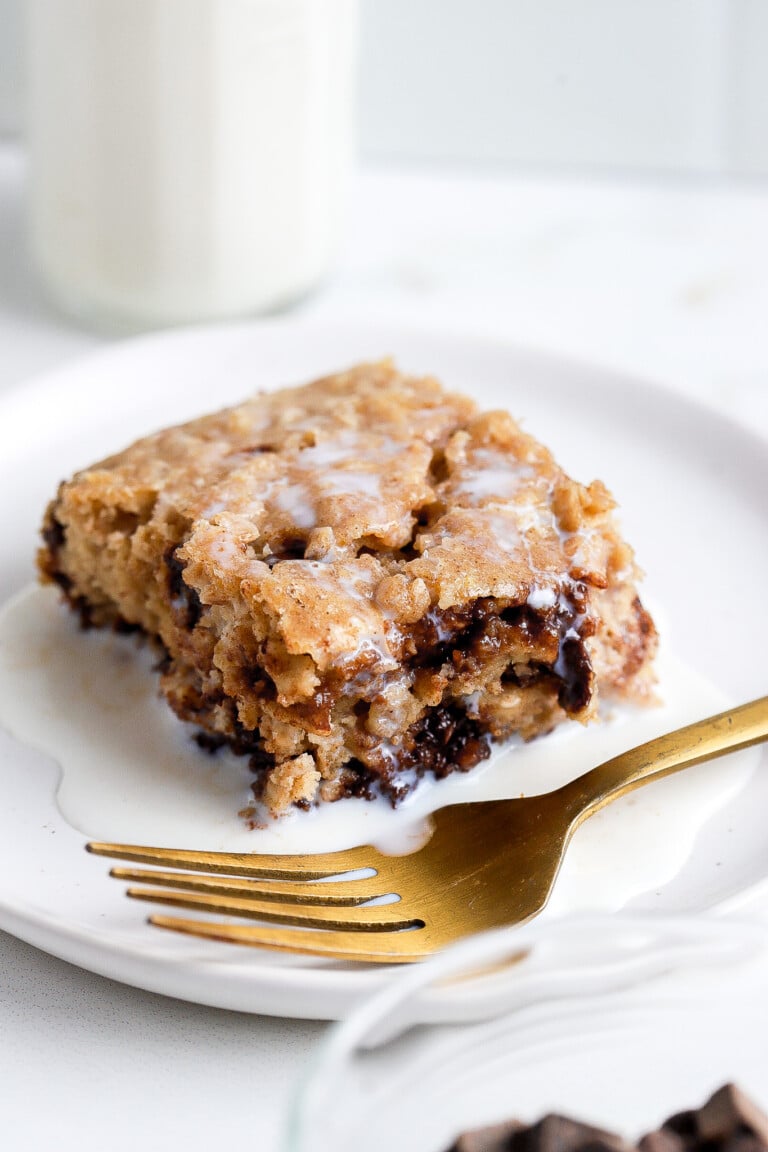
<point>690,486</point>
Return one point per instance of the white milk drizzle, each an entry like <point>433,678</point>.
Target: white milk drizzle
<point>131,771</point>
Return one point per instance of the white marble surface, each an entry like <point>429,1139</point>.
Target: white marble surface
<point>668,281</point>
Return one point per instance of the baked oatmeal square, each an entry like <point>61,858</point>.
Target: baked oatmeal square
<point>357,581</point>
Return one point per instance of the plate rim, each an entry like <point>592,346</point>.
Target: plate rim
<point>313,981</point>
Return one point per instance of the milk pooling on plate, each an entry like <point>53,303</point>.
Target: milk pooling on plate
<point>131,771</point>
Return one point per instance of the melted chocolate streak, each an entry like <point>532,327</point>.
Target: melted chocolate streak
<point>446,739</point>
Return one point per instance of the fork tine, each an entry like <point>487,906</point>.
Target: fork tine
<point>378,918</point>
<point>265,866</point>
<point>338,893</point>
<point>381,948</point>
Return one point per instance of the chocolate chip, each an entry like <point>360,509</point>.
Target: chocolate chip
<point>292,548</point>
<point>728,1122</point>
<point>730,1113</point>
<point>209,742</point>
<point>125,627</point>
<point>683,1123</point>
<point>561,1134</point>
<point>665,1140</point>
<point>744,1142</point>
<point>575,671</point>
<point>53,534</point>
<point>446,738</point>
<point>181,592</point>
<point>496,1138</point>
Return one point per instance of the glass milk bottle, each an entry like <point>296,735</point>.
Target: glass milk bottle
<point>188,158</point>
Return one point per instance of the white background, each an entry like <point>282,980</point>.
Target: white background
<point>655,85</point>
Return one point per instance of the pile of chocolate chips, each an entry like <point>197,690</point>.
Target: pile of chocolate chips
<point>728,1122</point>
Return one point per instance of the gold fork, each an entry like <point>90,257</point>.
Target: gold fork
<point>485,865</point>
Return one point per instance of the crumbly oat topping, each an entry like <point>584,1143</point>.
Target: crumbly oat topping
<point>357,580</point>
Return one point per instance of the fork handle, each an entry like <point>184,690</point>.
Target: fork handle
<point>727,732</point>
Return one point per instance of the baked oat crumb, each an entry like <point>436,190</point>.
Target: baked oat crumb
<point>291,782</point>
<point>357,581</point>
